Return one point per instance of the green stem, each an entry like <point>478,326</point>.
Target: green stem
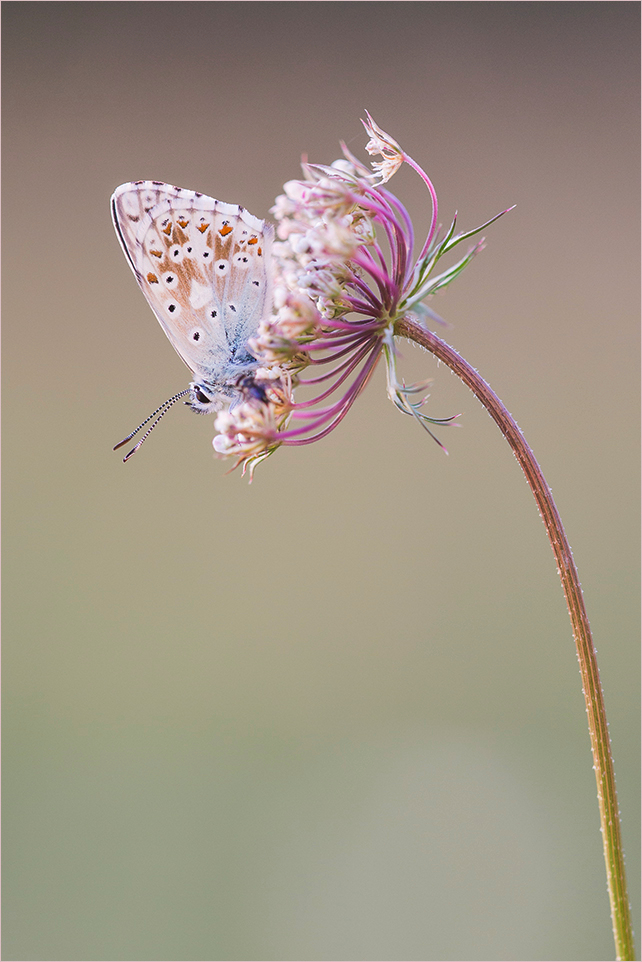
<point>598,730</point>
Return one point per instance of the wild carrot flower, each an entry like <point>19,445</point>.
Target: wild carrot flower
<point>344,277</point>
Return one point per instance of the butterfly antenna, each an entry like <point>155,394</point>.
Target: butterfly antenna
<point>160,411</point>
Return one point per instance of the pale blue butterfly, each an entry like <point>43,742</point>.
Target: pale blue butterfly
<point>204,267</point>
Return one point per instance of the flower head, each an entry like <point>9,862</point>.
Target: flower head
<point>344,276</point>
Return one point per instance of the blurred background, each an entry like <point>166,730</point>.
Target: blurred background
<point>335,714</point>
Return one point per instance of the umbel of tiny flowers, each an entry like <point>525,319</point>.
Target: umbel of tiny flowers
<point>344,276</point>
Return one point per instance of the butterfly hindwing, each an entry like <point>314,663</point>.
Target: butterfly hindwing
<point>203,267</point>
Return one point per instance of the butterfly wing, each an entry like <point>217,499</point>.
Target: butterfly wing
<point>204,267</point>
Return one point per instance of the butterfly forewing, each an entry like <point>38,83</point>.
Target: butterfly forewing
<point>204,267</point>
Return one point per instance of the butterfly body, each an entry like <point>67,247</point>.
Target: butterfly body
<point>204,268</point>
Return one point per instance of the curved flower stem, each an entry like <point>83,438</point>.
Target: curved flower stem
<point>598,730</point>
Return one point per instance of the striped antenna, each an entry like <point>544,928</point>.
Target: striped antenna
<point>158,413</point>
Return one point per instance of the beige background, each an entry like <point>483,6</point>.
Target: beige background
<point>335,714</point>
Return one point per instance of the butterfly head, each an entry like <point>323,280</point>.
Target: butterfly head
<point>205,400</point>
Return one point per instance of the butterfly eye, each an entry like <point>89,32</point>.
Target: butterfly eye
<point>222,267</point>
<point>176,253</point>
<point>172,308</point>
<point>196,335</point>
<point>206,254</point>
<point>200,397</point>
<point>170,280</point>
<point>241,261</point>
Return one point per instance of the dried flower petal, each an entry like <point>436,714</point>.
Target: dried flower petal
<point>382,143</point>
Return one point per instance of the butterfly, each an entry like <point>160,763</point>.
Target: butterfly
<point>204,268</point>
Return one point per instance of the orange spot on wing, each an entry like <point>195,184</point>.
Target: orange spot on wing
<point>156,253</point>
<point>259,251</point>
<point>152,278</point>
<point>225,230</point>
<point>202,227</point>
<point>253,240</point>
<point>182,222</point>
<point>168,230</point>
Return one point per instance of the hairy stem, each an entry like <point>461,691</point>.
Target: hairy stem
<point>593,695</point>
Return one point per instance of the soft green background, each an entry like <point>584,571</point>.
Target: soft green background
<point>335,714</point>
